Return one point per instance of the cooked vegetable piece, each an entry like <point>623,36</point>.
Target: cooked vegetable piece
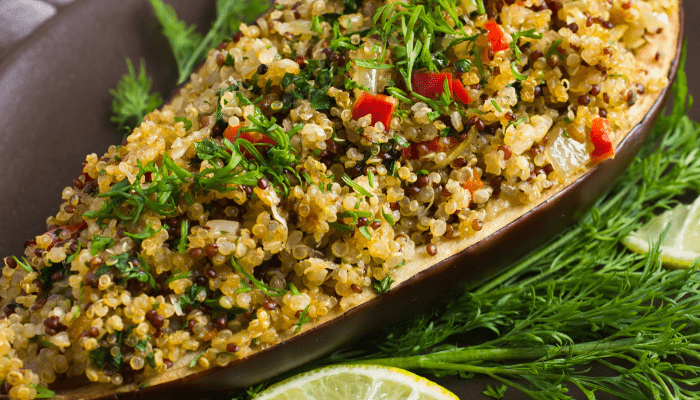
<point>379,106</point>
<point>496,36</point>
<point>430,84</point>
<point>460,91</point>
<point>600,137</point>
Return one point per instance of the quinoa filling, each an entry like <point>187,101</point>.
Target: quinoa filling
<point>307,160</point>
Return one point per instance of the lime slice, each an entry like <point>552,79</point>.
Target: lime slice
<point>356,382</point>
<point>681,245</point>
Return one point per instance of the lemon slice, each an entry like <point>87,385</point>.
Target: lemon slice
<point>681,245</point>
<point>356,382</point>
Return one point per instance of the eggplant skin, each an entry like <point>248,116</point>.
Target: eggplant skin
<point>421,282</point>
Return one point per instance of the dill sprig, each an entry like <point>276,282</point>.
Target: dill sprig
<point>188,46</point>
<point>132,98</point>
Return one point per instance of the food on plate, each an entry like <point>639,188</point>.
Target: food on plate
<point>325,154</point>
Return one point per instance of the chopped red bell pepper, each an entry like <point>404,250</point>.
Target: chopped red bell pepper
<point>73,229</point>
<point>417,150</point>
<point>602,147</point>
<point>430,84</point>
<point>460,91</point>
<point>496,36</point>
<point>231,133</point>
<point>379,106</point>
<point>473,184</point>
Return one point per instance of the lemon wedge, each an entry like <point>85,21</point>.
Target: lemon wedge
<point>356,382</point>
<point>681,245</point>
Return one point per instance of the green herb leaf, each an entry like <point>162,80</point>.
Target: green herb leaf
<point>229,61</point>
<point>187,45</point>
<point>141,344</point>
<point>553,48</point>
<point>43,392</point>
<point>340,227</point>
<point>196,359</point>
<point>24,264</point>
<point>72,257</point>
<point>183,39</point>
<point>184,229</point>
<point>144,234</point>
<point>177,275</point>
<point>100,243</point>
<point>517,74</point>
<point>303,319</point>
<point>384,285</point>
<point>132,98</point>
<point>355,186</point>
<point>270,291</point>
<point>187,122</point>
<point>151,360</point>
<point>365,232</point>
<point>388,218</point>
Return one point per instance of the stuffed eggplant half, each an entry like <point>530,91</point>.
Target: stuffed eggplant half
<point>333,166</point>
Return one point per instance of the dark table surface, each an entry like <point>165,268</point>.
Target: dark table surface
<point>16,53</point>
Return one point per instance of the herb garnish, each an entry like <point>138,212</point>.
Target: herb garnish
<point>132,98</point>
<point>187,45</point>
<point>384,285</point>
<point>184,229</point>
<point>270,291</point>
<point>147,232</point>
<point>356,186</point>
<point>303,319</point>
<point>43,392</point>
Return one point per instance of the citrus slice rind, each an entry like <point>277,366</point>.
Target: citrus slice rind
<point>680,246</point>
<point>356,382</point>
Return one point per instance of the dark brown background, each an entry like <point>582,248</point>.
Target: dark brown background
<point>54,105</point>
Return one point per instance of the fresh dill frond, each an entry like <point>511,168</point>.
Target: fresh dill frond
<point>133,98</point>
<point>240,11</point>
<point>188,46</point>
<point>183,39</point>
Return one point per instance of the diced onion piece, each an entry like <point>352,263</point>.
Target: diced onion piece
<point>566,155</point>
<point>223,225</point>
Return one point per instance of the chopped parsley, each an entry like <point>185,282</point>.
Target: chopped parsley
<point>384,285</point>
<point>355,186</point>
<point>184,228</point>
<point>303,319</point>
<point>147,232</point>
<point>187,122</point>
<point>132,98</point>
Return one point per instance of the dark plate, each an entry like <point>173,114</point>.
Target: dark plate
<point>55,109</point>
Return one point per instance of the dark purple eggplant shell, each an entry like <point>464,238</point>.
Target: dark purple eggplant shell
<point>466,268</point>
